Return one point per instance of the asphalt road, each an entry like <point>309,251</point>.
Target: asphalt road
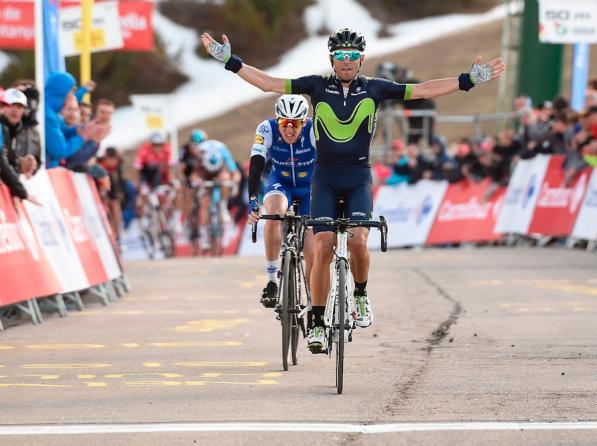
<point>464,342</point>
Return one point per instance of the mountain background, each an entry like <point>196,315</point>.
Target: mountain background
<point>264,30</point>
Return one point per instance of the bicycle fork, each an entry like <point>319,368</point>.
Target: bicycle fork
<point>340,261</point>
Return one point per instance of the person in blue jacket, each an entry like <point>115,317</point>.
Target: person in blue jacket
<point>61,141</point>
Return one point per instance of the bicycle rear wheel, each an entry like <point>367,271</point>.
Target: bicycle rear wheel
<point>294,320</point>
<point>341,326</point>
<point>287,290</point>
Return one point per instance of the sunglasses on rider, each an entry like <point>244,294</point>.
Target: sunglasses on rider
<point>343,54</point>
<point>294,123</point>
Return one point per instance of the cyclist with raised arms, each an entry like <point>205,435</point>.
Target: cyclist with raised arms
<point>288,142</point>
<point>345,105</point>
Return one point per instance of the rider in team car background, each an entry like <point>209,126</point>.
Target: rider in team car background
<point>345,106</point>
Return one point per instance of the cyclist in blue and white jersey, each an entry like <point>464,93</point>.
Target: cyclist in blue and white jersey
<point>288,141</point>
<point>211,160</point>
<point>344,115</point>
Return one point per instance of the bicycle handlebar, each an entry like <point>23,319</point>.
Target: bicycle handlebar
<point>346,223</point>
<point>338,223</point>
<point>275,217</point>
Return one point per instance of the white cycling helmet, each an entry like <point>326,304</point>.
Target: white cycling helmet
<point>157,138</point>
<point>212,159</point>
<point>291,106</point>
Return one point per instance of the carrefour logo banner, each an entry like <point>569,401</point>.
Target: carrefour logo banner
<point>467,214</point>
<point>558,202</point>
<point>521,196</point>
<point>570,21</point>
<point>409,210</point>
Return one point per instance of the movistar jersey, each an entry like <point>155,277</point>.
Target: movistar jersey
<point>292,164</point>
<point>344,124</point>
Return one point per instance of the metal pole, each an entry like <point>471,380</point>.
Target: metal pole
<point>40,80</point>
<point>85,60</point>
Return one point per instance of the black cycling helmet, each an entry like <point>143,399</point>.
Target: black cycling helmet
<point>346,38</point>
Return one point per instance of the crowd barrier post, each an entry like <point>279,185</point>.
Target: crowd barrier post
<point>75,297</point>
<point>31,308</point>
<point>101,292</point>
<point>121,285</point>
<point>56,302</point>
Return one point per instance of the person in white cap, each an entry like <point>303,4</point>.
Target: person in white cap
<point>17,143</point>
<point>8,175</point>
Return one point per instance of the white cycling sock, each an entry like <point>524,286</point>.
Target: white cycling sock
<point>271,268</point>
<point>203,233</point>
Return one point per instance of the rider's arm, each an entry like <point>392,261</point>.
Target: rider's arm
<point>434,88</point>
<point>223,53</point>
<point>261,79</point>
<point>259,151</point>
<point>479,73</point>
<point>229,160</point>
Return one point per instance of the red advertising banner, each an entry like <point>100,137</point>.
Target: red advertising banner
<point>136,25</point>
<point>68,199</point>
<point>26,273</point>
<point>464,216</point>
<point>106,224</point>
<point>558,204</point>
<point>16,25</point>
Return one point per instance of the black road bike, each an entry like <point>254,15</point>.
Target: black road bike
<point>294,298</point>
<point>340,310</point>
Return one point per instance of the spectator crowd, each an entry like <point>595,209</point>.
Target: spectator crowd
<point>552,127</point>
<point>75,128</point>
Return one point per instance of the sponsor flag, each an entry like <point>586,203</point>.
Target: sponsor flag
<point>53,59</point>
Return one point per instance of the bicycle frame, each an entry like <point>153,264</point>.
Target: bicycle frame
<point>293,285</point>
<point>214,187</point>
<point>341,260</point>
<point>340,310</point>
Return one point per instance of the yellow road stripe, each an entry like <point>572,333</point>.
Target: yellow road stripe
<point>162,374</point>
<point>196,344</point>
<point>42,376</point>
<point>31,385</point>
<point>66,366</point>
<point>64,346</point>
<point>208,325</point>
<point>214,364</point>
<point>152,383</point>
<point>581,289</point>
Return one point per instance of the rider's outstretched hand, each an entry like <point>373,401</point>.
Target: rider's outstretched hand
<point>220,52</point>
<point>481,73</point>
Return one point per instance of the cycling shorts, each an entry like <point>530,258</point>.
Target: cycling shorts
<point>275,187</point>
<point>354,183</point>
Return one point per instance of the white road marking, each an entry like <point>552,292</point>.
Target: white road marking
<point>292,427</point>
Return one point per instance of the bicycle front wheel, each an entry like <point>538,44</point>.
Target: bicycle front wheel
<point>341,325</point>
<point>294,319</point>
<point>287,290</point>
